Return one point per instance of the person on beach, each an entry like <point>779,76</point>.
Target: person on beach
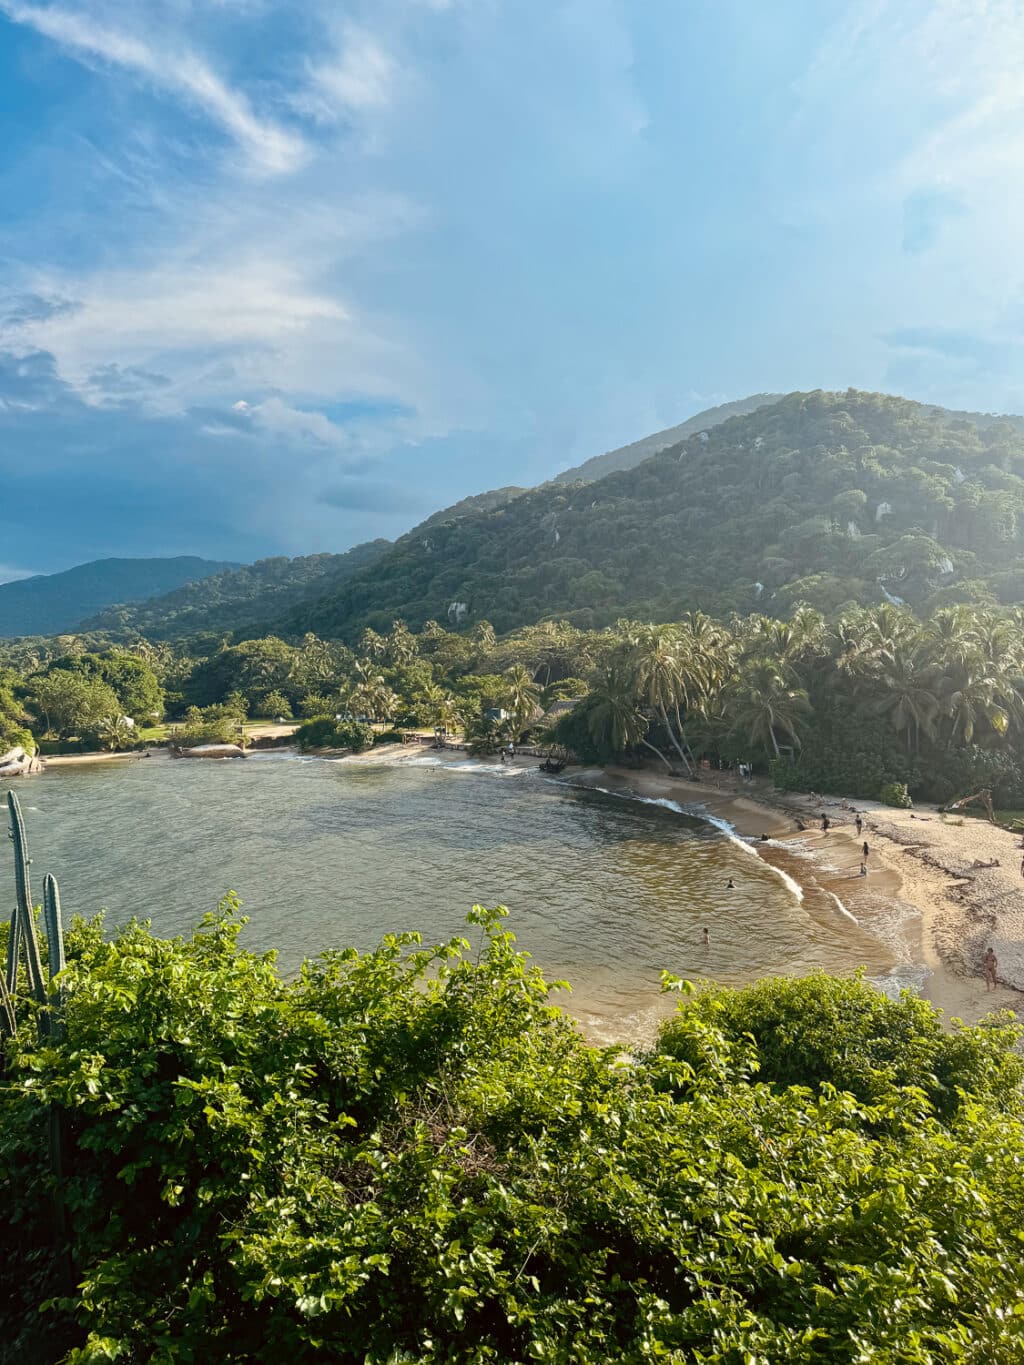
<point>707,939</point>
<point>859,823</point>
<point>990,965</point>
<point>501,755</point>
<point>825,822</point>
<point>865,850</point>
<point>863,869</point>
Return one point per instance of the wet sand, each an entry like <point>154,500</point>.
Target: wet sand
<point>920,860</point>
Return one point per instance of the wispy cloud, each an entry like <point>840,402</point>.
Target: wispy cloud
<point>270,147</point>
<point>359,77</point>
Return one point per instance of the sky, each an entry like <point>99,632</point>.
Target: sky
<point>279,278</point>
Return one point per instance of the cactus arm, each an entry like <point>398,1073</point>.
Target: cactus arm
<point>28,923</point>
<point>55,943</point>
<point>8,1020</point>
<point>13,948</point>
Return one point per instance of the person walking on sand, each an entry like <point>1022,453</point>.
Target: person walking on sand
<point>990,965</point>
<point>859,823</point>
<point>825,822</point>
<point>865,850</point>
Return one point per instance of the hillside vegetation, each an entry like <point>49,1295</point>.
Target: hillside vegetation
<point>238,598</point>
<point>51,603</point>
<point>833,499</point>
<point>629,456</point>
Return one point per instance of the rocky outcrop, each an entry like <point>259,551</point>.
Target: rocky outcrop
<point>18,762</point>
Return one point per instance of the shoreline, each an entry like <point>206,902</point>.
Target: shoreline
<point>918,859</point>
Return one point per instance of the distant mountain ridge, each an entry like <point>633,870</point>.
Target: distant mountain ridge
<point>51,604</point>
<point>240,597</point>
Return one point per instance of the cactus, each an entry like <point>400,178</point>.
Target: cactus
<point>13,951</point>
<point>24,911</point>
<point>8,1020</point>
<point>55,944</point>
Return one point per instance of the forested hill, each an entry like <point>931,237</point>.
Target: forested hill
<point>628,457</point>
<point>822,497</point>
<point>241,597</point>
<point>49,604</point>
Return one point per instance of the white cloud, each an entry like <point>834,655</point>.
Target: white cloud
<point>271,148</point>
<point>360,77</point>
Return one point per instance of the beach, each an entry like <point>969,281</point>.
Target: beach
<point>925,863</point>
<point>920,859</point>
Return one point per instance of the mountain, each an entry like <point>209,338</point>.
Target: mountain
<point>831,498</point>
<point>49,604</point>
<point>471,506</point>
<point>238,598</point>
<point>628,457</point>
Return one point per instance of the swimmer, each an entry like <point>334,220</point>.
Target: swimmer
<point>730,885</point>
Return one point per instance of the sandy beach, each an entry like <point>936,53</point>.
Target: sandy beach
<point>962,876</point>
<point>917,857</point>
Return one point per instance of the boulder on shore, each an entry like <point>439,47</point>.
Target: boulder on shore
<point>18,762</point>
<point>213,751</point>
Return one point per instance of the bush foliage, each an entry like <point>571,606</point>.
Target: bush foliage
<point>325,732</point>
<point>411,1156</point>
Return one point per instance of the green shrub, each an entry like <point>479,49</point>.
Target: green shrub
<point>207,726</point>
<point>895,794</point>
<point>276,704</point>
<point>849,755</point>
<point>325,732</point>
<point>409,1156</point>
<point>388,737</point>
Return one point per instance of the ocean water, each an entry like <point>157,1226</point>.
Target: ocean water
<point>605,891</point>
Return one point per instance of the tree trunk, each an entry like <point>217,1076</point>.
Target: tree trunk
<point>648,745</point>
<point>675,742</point>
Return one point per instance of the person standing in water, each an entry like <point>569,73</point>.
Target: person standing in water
<point>730,885</point>
<point>990,965</point>
<point>825,822</point>
<point>865,850</point>
<point>707,939</point>
<point>859,823</point>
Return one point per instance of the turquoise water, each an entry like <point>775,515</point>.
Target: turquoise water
<point>603,891</point>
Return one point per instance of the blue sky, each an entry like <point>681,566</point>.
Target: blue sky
<point>278,278</point>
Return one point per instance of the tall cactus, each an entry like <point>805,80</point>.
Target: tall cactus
<point>55,945</point>
<point>24,908</point>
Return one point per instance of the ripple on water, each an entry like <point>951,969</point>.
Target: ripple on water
<point>604,891</point>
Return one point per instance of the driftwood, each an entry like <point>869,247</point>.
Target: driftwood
<point>18,762</point>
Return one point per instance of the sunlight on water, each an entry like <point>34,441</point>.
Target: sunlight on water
<point>604,891</point>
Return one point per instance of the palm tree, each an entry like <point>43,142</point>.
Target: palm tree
<point>115,732</point>
<point>439,708</point>
<point>908,698</point>
<point>658,680</point>
<point>764,704</point>
<point>614,719</point>
<point>520,695</point>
